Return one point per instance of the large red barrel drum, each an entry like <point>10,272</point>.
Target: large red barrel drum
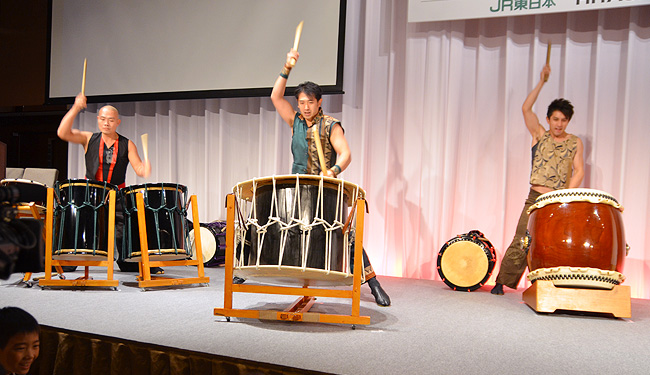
<point>576,228</point>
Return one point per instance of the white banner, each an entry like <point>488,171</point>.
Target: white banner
<point>443,10</point>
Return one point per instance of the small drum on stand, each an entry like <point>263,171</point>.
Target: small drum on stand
<point>465,262</point>
<point>213,243</point>
<point>298,228</point>
<point>81,220</point>
<point>577,239</point>
<point>166,222</point>
<point>30,192</point>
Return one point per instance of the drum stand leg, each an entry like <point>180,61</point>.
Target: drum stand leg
<point>82,281</point>
<point>145,280</point>
<point>298,311</point>
<point>545,297</point>
<point>31,210</point>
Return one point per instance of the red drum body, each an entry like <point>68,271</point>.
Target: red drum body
<point>576,228</point>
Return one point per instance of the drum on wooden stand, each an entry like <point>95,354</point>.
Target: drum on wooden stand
<point>466,262</point>
<point>577,239</point>
<point>165,206</point>
<point>213,243</point>
<point>81,220</point>
<point>30,192</point>
<point>298,230</point>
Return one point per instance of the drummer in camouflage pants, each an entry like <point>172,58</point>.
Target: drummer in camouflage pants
<point>557,164</point>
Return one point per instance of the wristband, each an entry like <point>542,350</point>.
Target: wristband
<point>285,72</point>
<point>338,169</point>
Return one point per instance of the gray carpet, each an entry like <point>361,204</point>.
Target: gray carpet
<point>428,329</point>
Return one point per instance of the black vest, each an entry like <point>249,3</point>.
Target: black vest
<point>118,176</point>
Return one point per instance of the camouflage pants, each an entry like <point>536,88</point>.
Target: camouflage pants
<point>514,261</point>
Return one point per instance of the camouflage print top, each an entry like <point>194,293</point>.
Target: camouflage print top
<point>303,147</point>
<point>553,161</point>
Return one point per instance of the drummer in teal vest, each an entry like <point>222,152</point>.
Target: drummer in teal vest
<point>107,156</point>
<point>305,152</point>
<point>557,164</point>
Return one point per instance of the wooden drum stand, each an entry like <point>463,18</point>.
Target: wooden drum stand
<point>85,280</point>
<point>31,210</point>
<point>145,279</point>
<point>298,311</point>
<point>545,297</point>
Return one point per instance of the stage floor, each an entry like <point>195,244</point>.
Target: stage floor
<point>428,329</point>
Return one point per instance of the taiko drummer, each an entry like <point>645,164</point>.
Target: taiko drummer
<point>107,156</point>
<point>557,164</point>
<point>334,147</point>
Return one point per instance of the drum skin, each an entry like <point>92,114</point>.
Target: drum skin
<point>213,242</point>
<point>465,262</point>
<point>285,193</point>
<point>165,228</point>
<point>82,210</point>
<point>576,234</point>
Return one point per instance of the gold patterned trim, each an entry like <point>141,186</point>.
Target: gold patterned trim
<point>84,184</point>
<point>80,251</point>
<point>579,277</point>
<point>161,252</point>
<point>575,195</point>
<point>127,189</point>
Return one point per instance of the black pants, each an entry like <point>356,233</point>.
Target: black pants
<point>120,246</point>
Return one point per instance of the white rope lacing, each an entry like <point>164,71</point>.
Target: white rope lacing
<point>295,220</point>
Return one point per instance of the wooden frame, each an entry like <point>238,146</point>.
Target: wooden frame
<point>299,310</point>
<point>145,279</point>
<point>85,280</point>
<point>543,296</point>
<point>32,210</point>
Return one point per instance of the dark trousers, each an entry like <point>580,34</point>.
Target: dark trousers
<point>120,247</point>
<point>368,271</point>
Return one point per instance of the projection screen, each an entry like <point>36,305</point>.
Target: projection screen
<point>169,49</point>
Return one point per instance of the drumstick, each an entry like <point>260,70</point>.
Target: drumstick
<point>83,79</point>
<point>145,145</point>
<point>548,58</point>
<point>296,41</point>
<point>319,147</point>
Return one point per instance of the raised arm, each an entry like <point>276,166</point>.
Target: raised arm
<point>142,169</point>
<point>340,144</point>
<point>281,104</point>
<point>530,118</point>
<point>578,167</point>
<point>65,130</point>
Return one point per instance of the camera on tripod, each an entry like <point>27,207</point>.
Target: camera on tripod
<point>22,248</point>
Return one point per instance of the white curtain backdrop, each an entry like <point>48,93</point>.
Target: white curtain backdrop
<point>432,113</point>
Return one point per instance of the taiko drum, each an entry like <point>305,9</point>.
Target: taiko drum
<point>296,230</point>
<point>576,228</point>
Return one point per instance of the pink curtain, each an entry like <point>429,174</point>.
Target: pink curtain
<point>432,112</point>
